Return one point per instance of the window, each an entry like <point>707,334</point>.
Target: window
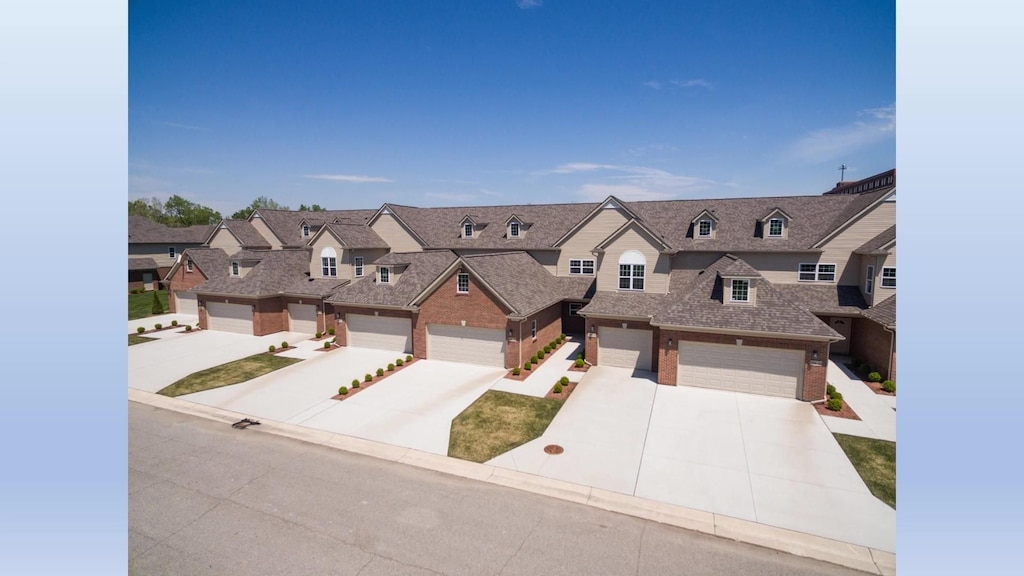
<point>574,308</point>
<point>385,275</point>
<point>305,230</point>
<point>513,230</point>
<point>819,272</point>
<point>358,263</point>
<point>585,267</point>
<point>188,265</point>
<point>775,227</point>
<point>170,251</point>
<point>704,228</point>
<point>740,291</point>
<point>463,283</point>
<point>888,276</point>
<point>869,280</point>
<point>467,230</point>
<point>533,329</point>
<point>632,265</point>
<point>328,263</point>
<point>234,268</point>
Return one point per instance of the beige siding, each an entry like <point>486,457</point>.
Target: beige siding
<point>694,260</point>
<point>840,248</point>
<point>264,231</point>
<point>883,294</point>
<point>586,238</point>
<point>158,252</point>
<point>657,267</point>
<point>779,268</point>
<point>548,259</point>
<point>226,241</point>
<point>369,255</point>
<point>395,235</point>
<point>323,241</point>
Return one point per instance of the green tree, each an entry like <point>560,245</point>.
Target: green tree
<point>261,202</point>
<point>313,208</point>
<point>181,212</point>
<point>151,208</point>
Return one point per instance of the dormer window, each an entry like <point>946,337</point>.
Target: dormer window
<point>775,228</point>
<point>234,268</point>
<point>188,265</point>
<point>740,291</point>
<point>467,230</point>
<point>513,230</point>
<point>305,230</point>
<point>384,273</point>
<point>704,229</point>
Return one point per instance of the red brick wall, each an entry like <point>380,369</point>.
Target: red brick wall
<point>479,309</point>
<point>271,316</point>
<point>572,324</point>
<point>183,280</point>
<point>870,344</point>
<point>549,326</point>
<point>597,323</point>
<point>341,336</point>
<point>813,388</point>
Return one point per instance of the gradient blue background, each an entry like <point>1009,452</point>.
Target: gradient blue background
<point>63,177</point>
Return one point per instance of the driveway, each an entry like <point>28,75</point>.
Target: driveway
<point>154,365</point>
<point>412,408</point>
<point>769,460</point>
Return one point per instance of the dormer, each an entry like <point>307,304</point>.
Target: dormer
<point>739,283</point>
<point>775,224</point>
<point>704,225</point>
<point>468,228</point>
<point>305,230</point>
<point>515,227</point>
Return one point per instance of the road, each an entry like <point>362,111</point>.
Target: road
<point>207,499</point>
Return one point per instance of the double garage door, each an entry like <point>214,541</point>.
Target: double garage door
<point>229,317</point>
<point>466,344</point>
<point>380,332</point>
<point>750,369</point>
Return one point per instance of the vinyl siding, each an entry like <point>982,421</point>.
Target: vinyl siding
<point>839,249</point>
<point>369,255</point>
<point>326,240</point>
<point>395,235</point>
<point>548,259</point>
<point>585,239</point>
<point>158,252</point>
<point>226,241</point>
<point>780,268</point>
<point>657,267</point>
<point>883,294</point>
<point>264,231</point>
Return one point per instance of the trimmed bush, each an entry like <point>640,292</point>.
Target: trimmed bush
<point>561,337</point>
<point>830,389</point>
<point>140,329</point>
<point>319,334</point>
<point>863,368</point>
<point>174,322</point>
<point>874,377</point>
<point>368,378</point>
<point>528,366</point>
<point>889,386</point>
<point>355,382</point>
<point>579,362</point>
<point>547,349</point>
<point>558,388</point>
<point>540,354</point>
<point>835,404</point>
<point>158,325</point>
<point>330,331</point>
<point>391,367</point>
<point>188,328</point>
<point>380,371</point>
<point>579,356</point>
<point>836,396</point>
<point>344,390</point>
<point>564,380</point>
<point>284,344</point>
<point>399,362</point>
<point>553,344</point>
<point>327,345</point>
<point>157,307</point>
<point>271,348</point>
<point>515,371</point>
<point>408,358</point>
<point>533,359</point>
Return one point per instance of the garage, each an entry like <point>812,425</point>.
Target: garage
<point>466,344</point>
<point>302,318</point>
<point>185,303</point>
<point>380,332</point>
<point>624,348</point>
<point>229,317</point>
<point>750,369</point>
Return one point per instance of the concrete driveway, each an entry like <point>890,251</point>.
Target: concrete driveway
<point>768,460</point>
<point>413,408</point>
<point>154,365</point>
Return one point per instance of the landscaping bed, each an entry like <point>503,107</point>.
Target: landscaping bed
<point>160,328</point>
<point>567,388</point>
<point>278,349</point>
<point>875,461</point>
<point>834,405</point>
<point>865,374</point>
<point>360,384</point>
<point>498,422</point>
<point>523,372</point>
<point>228,374</point>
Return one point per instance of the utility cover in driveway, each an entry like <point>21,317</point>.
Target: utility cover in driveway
<point>380,332</point>
<point>229,317</point>
<point>466,344</point>
<point>624,348</point>
<point>302,318</point>
<point>750,369</point>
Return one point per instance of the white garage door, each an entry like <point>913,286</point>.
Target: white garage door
<point>466,344</point>
<point>229,317</point>
<point>625,348</point>
<point>302,318</point>
<point>380,332</point>
<point>767,371</point>
<point>185,303</point>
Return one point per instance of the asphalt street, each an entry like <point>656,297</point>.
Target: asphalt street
<point>208,499</point>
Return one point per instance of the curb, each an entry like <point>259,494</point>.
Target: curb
<point>796,543</point>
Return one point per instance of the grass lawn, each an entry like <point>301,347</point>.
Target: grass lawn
<point>141,305</point>
<point>498,422</point>
<point>875,461</point>
<point>228,374</point>
<point>134,339</point>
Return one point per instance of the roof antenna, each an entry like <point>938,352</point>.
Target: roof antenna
<point>842,172</point>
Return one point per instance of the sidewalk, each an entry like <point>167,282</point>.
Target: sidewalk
<point>877,413</point>
<point>542,378</point>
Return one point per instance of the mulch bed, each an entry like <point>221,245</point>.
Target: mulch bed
<point>573,368</point>
<point>875,386</point>
<point>846,412</point>
<point>524,373</point>
<point>168,327</point>
<point>276,350</point>
<point>322,349</point>
<point>364,385</point>
<point>566,391</point>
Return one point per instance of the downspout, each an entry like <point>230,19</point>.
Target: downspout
<point>892,344</point>
<point>521,341</point>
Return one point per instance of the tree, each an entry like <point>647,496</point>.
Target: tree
<point>152,209</point>
<point>313,208</point>
<point>181,212</point>
<point>261,202</point>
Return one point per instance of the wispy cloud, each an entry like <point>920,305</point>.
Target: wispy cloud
<point>692,83</point>
<point>181,126</point>
<point>874,126</point>
<point>347,178</point>
<point>528,4</point>
<point>630,182</point>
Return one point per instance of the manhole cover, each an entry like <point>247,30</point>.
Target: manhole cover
<point>554,449</point>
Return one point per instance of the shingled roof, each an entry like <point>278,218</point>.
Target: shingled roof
<point>277,272</point>
<point>517,279</point>
<point>884,313</point>
<point>422,269</point>
<point>287,224</point>
<point>357,236</point>
<point>141,264</point>
<point>142,230</point>
<point>824,299</point>
<point>246,233</point>
<point>211,262</point>
<point>874,246</point>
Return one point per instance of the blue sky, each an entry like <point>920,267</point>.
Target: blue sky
<point>351,104</point>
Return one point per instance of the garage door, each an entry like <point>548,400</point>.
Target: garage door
<point>767,371</point>
<point>624,348</point>
<point>381,332</point>
<point>466,344</point>
<point>185,303</point>
<point>302,318</point>
<point>229,317</point>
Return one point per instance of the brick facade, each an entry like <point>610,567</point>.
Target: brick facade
<point>269,316</point>
<point>549,327</point>
<point>593,328</point>
<point>183,280</point>
<point>870,343</point>
<point>479,309</point>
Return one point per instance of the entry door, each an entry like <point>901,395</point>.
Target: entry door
<point>147,280</point>
<point>843,326</point>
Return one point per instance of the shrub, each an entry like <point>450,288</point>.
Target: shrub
<point>330,331</point>
<point>830,389</point>
<point>271,348</point>
<point>391,367</point>
<point>188,328</point>
<point>889,386</point>
<point>380,371</point>
<point>579,362</point>
<point>564,380</point>
<point>140,329</point>
<point>528,366</point>
<point>344,390</point>
<point>368,378</point>
<point>561,337</point>
<point>408,358</point>
<point>553,344</point>
<point>863,368</point>
<point>533,359</point>
<point>579,356</point>
<point>836,396</point>
<point>835,404</point>
<point>547,349</point>
<point>540,354</point>
<point>158,325</point>
<point>355,382</point>
<point>399,362</point>
<point>515,371</point>
<point>875,377</point>
<point>284,344</point>
<point>319,334</point>
<point>558,388</point>
<point>174,322</point>
<point>157,307</point>
<point>327,345</point>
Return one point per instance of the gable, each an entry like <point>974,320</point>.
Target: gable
<point>442,294</point>
<point>394,233</point>
<point>223,238</point>
<point>261,226</point>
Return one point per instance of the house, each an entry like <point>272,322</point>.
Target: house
<point>153,248</point>
<point>744,294</point>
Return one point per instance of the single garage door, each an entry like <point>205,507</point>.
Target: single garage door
<point>229,317</point>
<point>624,348</point>
<point>380,332</point>
<point>466,344</point>
<point>751,369</point>
<point>302,318</point>
<point>185,303</point>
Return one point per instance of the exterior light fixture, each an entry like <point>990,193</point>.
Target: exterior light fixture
<point>669,342</point>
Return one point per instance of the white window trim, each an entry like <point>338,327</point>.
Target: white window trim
<point>357,262</point>
<point>593,266</point>
<point>329,266</point>
<point>467,230</point>
<point>782,228</point>
<point>458,283</point>
<point>711,229</point>
<point>893,268</point>
<point>632,277</point>
<point>869,280</point>
<point>732,291</point>
<point>533,330</point>
<point>234,269</point>
<point>514,229</point>
<point>188,265</point>
<point>171,252</point>
<point>384,271</point>
<point>305,230</point>
<point>817,272</point>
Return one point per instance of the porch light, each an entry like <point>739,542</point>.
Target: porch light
<point>509,332</point>
<point>669,342</point>
<point>814,354</point>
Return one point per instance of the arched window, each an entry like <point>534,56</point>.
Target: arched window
<point>328,262</point>
<point>632,267</point>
